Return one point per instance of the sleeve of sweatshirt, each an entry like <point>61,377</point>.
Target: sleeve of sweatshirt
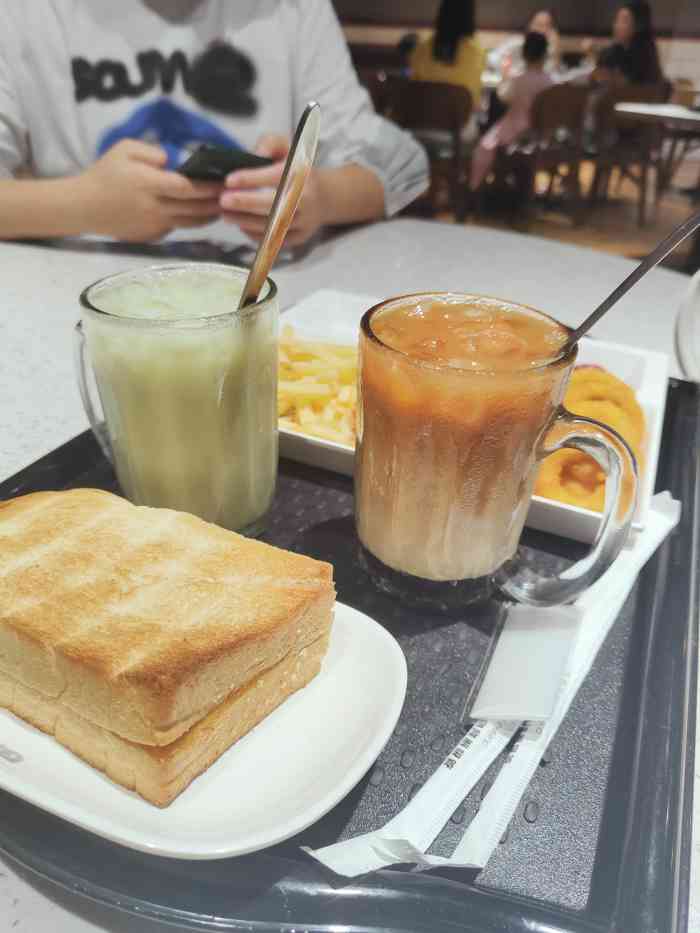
<point>351,131</point>
<point>14,145</point>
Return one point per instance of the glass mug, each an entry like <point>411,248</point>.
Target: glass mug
<point>446,463</point>
<point>188,388</point>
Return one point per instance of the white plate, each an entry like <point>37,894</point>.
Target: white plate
<point>335,316</point>
<point>277,780</point>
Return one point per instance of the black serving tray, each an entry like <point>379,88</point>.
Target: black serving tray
<point>601,841</point>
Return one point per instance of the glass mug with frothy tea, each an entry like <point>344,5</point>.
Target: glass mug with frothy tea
<point>188,387</point>
<point>460,400</point>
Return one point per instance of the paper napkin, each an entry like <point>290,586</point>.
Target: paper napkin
<point>525,671</point>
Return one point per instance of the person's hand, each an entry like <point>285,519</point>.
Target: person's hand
<point>127,194</point>
<point>249,194</point>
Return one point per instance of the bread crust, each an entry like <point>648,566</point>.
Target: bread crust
<point>161,773</point>
<point>143,620</point>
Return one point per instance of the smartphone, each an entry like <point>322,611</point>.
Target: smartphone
<point>213,163</point>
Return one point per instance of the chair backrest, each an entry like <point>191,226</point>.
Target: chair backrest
<point>639,93</point>
<point>559,108</point>
<point>428,105</point>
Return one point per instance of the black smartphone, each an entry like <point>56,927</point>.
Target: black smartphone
<point>213,163</point>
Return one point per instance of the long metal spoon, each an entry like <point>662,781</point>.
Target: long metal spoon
<point>654,258</point>
<point>296,170</point>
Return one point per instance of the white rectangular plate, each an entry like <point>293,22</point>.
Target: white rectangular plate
<point>335,316</point>
<point>289,771</point>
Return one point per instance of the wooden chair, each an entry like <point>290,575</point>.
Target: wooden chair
<point>437,115</point>
<point>553,145</point>
<point>625,145</point>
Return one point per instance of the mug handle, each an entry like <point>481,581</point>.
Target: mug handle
<point>83,369</point>
<point>523,584</point>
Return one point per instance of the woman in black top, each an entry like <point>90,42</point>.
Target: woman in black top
<point>633,55</point>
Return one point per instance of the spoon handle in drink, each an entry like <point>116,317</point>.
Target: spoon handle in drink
<point>296,170</point>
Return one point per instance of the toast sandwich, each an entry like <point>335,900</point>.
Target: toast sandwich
<point>147,640</point>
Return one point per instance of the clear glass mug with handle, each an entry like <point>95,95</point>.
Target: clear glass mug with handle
<point>446,463</point>
<point>187,387</point>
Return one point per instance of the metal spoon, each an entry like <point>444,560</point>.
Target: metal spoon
<point>296,170</point>
<point>662,250</point>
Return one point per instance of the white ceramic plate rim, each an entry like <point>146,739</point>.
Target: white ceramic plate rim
<point>387,652</point>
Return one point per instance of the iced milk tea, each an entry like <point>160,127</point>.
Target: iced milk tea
<point>455,394</point>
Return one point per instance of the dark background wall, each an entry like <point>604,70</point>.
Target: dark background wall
<point>593,17</point>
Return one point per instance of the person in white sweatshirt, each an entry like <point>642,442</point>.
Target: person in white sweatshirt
<point>100,102</point>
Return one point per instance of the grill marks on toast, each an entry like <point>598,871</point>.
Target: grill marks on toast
<point>49,593</point>
<point>147,640</point>
<point>144,605</point>
<point>36,563</point>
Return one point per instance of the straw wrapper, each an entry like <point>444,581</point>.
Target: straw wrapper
<point>405,838</point>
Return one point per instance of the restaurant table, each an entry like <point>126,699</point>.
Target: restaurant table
<point>681,127</point>
<point>674,115</point>
<point>681,132</point>
<point>40,407</point>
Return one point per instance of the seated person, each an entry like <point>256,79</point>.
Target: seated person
<point>451,54</point>
<point>633,57</point>
<point>518,93</point>
<point>507,58</point>
<point>100,102</point>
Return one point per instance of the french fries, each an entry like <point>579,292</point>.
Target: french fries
<point>317,391</point>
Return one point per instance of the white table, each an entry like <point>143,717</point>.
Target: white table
<point>674,115</point>
<point>40,408</point>
<point>681,128</point>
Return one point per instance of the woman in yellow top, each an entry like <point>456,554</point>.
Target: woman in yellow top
<point>451,54</point>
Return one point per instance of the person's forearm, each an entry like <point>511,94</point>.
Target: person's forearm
<point>350,194</point>
<point>42,208</point>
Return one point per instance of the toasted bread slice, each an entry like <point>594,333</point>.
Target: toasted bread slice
<point>143,620</point>
<point>160,773</point>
